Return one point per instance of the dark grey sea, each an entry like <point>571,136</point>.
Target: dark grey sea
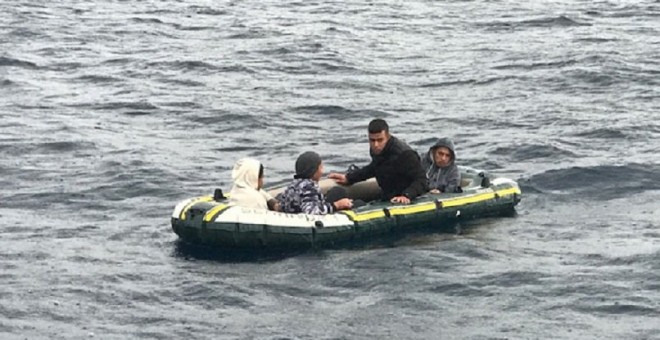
<point>111,112</point>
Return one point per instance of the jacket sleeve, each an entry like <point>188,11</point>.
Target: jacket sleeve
<point>410,164</point>
<point>361,174</point>
<point>453,180</point>
<point>265,194</point>
<point>311,202</point>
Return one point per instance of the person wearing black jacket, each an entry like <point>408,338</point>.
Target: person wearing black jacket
<point>395,165</point>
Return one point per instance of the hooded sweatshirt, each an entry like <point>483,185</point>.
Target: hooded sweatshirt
<point>446,179</point>
<point>397,170</point>
<point>245,191</point>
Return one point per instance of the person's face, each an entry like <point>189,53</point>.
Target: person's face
<point>442,156</point>
<point>319,173</point>
<point>377,141</point>
<point>260,183</point>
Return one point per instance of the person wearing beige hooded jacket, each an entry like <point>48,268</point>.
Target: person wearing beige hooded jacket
<point>247,190</point>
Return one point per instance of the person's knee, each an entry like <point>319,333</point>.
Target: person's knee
<point>336,193</point>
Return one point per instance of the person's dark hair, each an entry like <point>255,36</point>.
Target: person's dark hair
<point>377,125</point>
<point>307,164</point>
<point>261,170</point>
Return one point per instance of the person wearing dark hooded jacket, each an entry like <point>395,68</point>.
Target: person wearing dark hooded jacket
<point>395,165</point>
<point>439,163</point>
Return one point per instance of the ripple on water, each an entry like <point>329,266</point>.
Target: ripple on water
<point>11,62</point>
<point>600,182</point>
<point>526,152</point>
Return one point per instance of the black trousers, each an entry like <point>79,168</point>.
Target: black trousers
<point>336,193</point>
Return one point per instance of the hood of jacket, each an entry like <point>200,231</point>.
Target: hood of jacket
<point>246,173</point>
<point>245,190</point>
<point>427,160</point>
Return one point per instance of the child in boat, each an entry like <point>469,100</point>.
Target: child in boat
<point>247,190</point>
<point>440,167</point>
<point>303,195</point>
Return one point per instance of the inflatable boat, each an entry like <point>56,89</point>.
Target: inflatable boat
<point>209,220</point>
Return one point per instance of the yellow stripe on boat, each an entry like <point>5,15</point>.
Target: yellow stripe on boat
<point>452,202</point>
<point>479,197</point>
<point>369,215</point>
<point>193,202</point>
<point>406,210</point>
<point>214,211</point>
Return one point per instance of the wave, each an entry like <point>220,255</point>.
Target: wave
<point>190,65</point>
<point>203,10</point>
<point>122,61</point>
<point>137,113</point>
<point>533,151</point>
<point>98,79</point>
<point>182,104</point>
<point>330,67</point>
<point>5,61</point>
<point>594,72</point>
<point>127,105</point>
<point>345,84</point>
<point>25,33</point>
<point>182,82</point>
<point>193,28</point>
<point>617,308</point>
<point>147,20</point>
<point>325,112</point>
<point>7,83</point>
<point>596,40</point>
<point>598,182</point>
<point>252,33</point>
<point>21,149</point>
<point>136,179</point>
<point>276,51</point>
<point>158,11</point>
<point>603,133</point>
<point>592,78</point>
<point>628,11</point>
<point>559,21</point>
<point>537,66</point>
<point>468,82</point>
<point>219,118</point>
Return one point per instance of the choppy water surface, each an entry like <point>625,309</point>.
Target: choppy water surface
<point>113,111</point>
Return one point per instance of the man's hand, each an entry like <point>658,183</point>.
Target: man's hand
<point>343,204</point>
<point>339,178</point>
<point>400,199</point>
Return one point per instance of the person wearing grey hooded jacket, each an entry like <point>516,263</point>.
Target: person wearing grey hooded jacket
<point>440,167</point>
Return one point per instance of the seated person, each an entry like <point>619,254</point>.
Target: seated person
<point>442,173</point>
<point>395,165</point>
<point>303,195</point>
<point>247,190</point>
